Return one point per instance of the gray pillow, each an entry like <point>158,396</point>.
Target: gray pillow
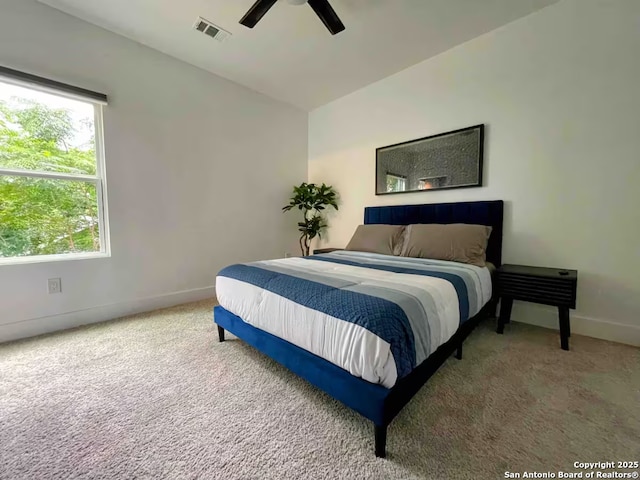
<point>383,239</point>
<point>456,242</point>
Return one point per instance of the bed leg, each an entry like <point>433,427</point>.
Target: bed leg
<point>459,352</point>
<point>381,441</point>
<point>220,333</point>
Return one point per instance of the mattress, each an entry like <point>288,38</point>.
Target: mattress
<point>376,316</point>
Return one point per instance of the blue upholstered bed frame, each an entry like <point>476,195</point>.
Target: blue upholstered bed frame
<point>375,402</point>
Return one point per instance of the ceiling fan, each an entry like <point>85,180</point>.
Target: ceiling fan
<point>322,8</point>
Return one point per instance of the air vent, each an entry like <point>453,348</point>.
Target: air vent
<point>208,28</point>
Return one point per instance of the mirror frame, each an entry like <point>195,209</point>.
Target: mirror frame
<point>480,160</point>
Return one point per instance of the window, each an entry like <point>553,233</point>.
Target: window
<point>396,183</point>
<point>52,190</point>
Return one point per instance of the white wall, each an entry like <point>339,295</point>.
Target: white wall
<point>559,94</point>
<point>197,170</point>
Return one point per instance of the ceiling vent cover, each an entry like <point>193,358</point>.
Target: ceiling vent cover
<point>208,28</point>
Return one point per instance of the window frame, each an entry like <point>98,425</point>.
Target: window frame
<point>99,179</point>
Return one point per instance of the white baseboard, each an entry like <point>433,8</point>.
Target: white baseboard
<point>539,315</point>
<point>63,321</point>
<point>547,317</point>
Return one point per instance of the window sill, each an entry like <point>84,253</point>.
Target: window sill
<point>67,257</point>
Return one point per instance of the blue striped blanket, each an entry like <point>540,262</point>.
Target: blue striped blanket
<point>352,307</point>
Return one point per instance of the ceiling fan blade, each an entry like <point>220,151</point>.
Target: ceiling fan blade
<point>256,12</point>
<point>328,15</point>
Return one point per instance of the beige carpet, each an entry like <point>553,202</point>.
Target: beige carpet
<point>156,396</point>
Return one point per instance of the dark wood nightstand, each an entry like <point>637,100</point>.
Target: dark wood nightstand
<point>548,286</point>
<point>325,250</point>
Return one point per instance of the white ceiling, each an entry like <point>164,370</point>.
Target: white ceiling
<point>290,55</point>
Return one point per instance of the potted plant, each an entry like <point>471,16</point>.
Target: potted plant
<point>311,200</point>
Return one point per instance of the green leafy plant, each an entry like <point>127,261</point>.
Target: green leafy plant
<point>311,200</point>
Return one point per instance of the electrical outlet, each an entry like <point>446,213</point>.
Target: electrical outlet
<point>55,285</point>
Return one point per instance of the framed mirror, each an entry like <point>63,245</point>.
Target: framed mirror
<point>447,160</point>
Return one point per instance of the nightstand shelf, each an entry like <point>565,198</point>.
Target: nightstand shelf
<point>548,286</point>
<point>325,250</point>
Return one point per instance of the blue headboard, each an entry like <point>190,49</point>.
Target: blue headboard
<point>479,213</point>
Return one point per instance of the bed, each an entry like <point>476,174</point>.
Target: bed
<point>377,385</point>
